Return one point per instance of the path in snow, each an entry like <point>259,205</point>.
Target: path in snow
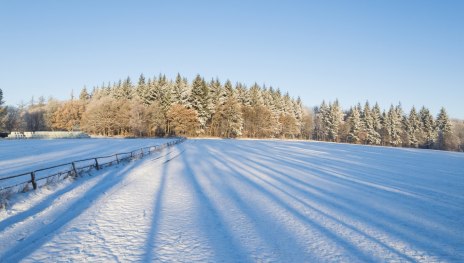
<point>251,201</point>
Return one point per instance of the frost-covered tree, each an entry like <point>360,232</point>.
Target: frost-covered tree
<point>142,91</point>
<point>218,93</point>
<point>443,126</point>
<point>334,119</point>
<point>307,123</point>
<point>124,90</point>
<point>68,116</point>
<point>443,123</point>
<point>321,121</point>
<point>393,125</point>
<point>227,121</point>
<point>427,128</point>
<point>254,95</point>
<point>354,120</point>
<point>377,118</point>
<point>241,91</point>
<point>153,92</point>
<point>298,111</point>
<point>138,121</point>
<point>12,119</point>
<point>166,88</point>
<point>100,117</point>
<point>200,100</point>
<point>372,136</point>
<point>228,91</point>
<point>183,121</point>
<point>181,91</point>
<point>413,128</point>
<point>84,95</point>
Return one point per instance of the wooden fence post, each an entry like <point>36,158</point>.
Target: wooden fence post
<point>96,164</point>
<point>34,183</point>
<point>74,169</point>
<point>117,159</point>
<point>141,150</point>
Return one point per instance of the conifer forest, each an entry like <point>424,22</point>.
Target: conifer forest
<point>159,106</point>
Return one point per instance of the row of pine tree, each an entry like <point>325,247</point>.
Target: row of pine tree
<point>163,107</point>
<point>159,106</point>
<point>371,125</point>
<point>211,108</point>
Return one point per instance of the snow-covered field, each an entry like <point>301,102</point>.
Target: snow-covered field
<point>22,156</point>
<point>248,201</point>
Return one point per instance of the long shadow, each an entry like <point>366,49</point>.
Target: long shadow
<point>387,192</point>
<point>395,163</point>
<point>323,174</point>
<point>252,212</point>
<point>221,231</point>
<point>390,222</point>
<point>156,216</point>
<point>35,240</point>
<point>355,252</point>
<point>329,171</point>
<point>313,208</point>
<point>41,206</point>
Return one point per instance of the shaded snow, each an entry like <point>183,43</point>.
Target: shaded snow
<point>22,156</point>
<point>250,201</point>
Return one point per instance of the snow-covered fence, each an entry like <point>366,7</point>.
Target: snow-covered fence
<point>37,178</point>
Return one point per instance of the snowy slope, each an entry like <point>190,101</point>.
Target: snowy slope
<point>19,156</point>
<point>250,201</point>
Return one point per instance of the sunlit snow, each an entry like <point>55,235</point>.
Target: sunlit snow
<point>248,201</point>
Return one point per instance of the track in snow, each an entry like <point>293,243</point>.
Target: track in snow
<point>252,201</point>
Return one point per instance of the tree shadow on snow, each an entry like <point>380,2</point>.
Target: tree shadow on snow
<point>75,208</point>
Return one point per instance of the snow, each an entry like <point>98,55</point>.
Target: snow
<point>23,156</point>
<point>249,201</point>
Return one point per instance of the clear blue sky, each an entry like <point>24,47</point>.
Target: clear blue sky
<point>384,51</point>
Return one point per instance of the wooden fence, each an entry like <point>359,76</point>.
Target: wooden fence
<point>36,178</point>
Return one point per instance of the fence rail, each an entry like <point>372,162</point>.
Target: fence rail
<point>58,172</point>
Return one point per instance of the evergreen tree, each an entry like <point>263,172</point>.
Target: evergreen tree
<point>84,96</point>
<point>255,97</point>
<point>200,100</point>
<point>413,128</point>
<point>232,115</point>
<point>427,128</point>
<point>443,125</point>
<point>334,119</point>
<point>372,136</point>
<point>393,125</point>
<point>322,122</point>
<point>154,91</point>
<point>141,81</point>
<point>355,123</point>
<point>298,112</point>
<point>377,118</point>
<point>228,92</point>
<point>218,94</point>
<point>180,93</point>
<point>166,88</point>
<point>241,92</point>
<point>141,91</point>
<point>123,90</point>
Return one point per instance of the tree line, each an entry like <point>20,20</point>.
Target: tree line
<point>160,106</point>
<point>393,127</point>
